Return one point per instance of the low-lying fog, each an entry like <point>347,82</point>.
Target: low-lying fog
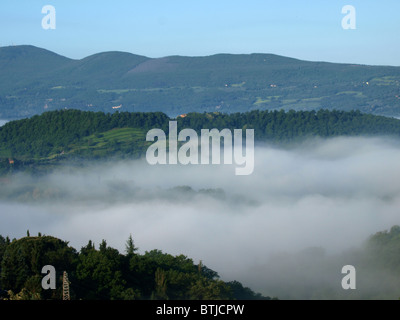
<point>285,231</point>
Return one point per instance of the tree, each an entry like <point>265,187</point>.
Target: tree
<point>160,286</point>
<point>130,248</point>
<point>23,260</point>
<point>204,289</point>
<point>99,274</point>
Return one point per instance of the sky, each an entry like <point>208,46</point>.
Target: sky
<point>309,30</point>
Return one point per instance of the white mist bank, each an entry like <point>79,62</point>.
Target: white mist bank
<point>325,193</point>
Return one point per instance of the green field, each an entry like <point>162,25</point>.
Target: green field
<point>100,144</point>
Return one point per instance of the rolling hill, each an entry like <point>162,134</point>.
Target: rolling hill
<point>34,80</point>
<point>75,136</point>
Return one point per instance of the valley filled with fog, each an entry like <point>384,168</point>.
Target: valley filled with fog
<point>286,230</point>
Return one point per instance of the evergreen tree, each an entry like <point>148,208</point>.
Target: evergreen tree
<point>130,248</point>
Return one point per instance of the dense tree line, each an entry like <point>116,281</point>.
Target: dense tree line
<point>40,134</point>
<point>75,133</point>
<point>281,126</point>
<point>59,132</point>
<point>107,274</point>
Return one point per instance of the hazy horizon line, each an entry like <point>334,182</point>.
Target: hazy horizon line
<point>198,56</point>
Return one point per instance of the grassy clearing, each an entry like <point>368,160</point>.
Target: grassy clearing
<point>101,142</point>
<point>268,99</point>
<point>386,81</point>
<point>238,85</point>
<point>357,94</point>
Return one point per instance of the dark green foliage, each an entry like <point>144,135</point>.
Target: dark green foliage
<point>56,137</point>
<point>4,242</point>
<point>23,260</point>
<point>384,249</point>
<point>280,126</point>
<point>244,293</point>
<point>130,246</point>
<point>106,274</point>
<point>99,274</point>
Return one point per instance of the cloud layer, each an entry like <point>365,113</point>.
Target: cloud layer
<point>265,230</point>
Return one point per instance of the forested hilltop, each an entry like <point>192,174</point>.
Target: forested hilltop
<point>104,273</point>
<point>107,274</point>
<point>68,135</point>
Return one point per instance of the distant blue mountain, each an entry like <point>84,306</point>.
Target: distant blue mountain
<point>34,80</point>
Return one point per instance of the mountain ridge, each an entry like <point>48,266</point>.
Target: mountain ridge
<point>34,80</point>
<point>33,47</point>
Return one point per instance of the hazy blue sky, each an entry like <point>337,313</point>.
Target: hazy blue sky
<point>309,29</point>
